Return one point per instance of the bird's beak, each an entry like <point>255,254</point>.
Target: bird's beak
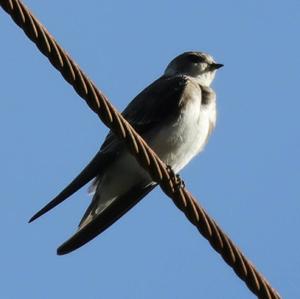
<point>216,66</point>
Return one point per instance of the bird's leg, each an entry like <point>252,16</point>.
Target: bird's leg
<point>178,181</point>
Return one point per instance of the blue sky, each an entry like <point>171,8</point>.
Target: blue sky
<point>247,178</point>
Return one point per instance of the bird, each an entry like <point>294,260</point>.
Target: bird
<point>175,115</point>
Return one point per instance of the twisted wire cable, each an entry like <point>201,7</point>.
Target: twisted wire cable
<point>169,183</point>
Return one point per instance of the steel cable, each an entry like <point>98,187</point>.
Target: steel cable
<point>169,183</point>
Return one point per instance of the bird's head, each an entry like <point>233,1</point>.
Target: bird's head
<point>198,65</point>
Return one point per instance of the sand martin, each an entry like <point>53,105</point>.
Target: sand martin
<point>175,115</point>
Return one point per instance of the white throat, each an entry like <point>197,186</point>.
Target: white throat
<point>205,79</point>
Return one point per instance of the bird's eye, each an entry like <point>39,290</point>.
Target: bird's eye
<point>194,58</point>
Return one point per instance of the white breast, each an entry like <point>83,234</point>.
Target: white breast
<point>182,140</point>
<point>176,144</point>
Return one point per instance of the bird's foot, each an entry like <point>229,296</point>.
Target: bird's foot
<point>179,183</point>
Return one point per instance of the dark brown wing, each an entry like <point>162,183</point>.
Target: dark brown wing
<point>97,164</point>
<point>155,105</point>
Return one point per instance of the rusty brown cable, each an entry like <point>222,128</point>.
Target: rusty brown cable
<point>98,102</point>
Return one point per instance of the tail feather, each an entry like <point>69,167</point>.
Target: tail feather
<point>106,218</point>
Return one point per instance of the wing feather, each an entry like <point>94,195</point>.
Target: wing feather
<point>105,219</point>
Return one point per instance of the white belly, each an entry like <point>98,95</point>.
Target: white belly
<point>178,143</point>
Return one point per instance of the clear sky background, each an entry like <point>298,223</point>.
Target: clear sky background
<point>247,178</point>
